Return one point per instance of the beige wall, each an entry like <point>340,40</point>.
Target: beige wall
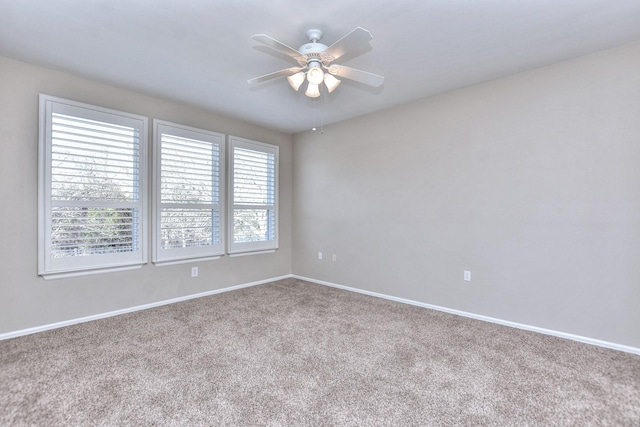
<point>531,182</point>
<point>27,300</point>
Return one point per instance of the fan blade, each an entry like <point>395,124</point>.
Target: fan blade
<point>352,41</point>
<point>285,72</point>
<point>276,45</point>
<point>356,75</point>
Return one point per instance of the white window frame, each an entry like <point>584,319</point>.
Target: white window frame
<point>167,256</point>
<point>246,248</point>
<point>51,267</point>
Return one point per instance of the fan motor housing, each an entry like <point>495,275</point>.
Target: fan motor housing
<point>312,47</point>
<point>313,51</point>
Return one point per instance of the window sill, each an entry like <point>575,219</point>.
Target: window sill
<point>269,251</point>
<point>67,274</point>
<point>184,261</point>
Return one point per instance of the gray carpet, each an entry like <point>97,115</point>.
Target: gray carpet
<point>294,353</point>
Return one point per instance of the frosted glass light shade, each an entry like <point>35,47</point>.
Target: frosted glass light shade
<point>315,74</point>
<point>313,90</point>
<point>296,80</point>
<point>331,82</point>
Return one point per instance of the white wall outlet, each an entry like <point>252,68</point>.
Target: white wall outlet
<point>334,257</point>
<point>467,276</point>
<point>319,255</point>
<point>194,271</point>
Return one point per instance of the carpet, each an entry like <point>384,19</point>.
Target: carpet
<point>293,353</point>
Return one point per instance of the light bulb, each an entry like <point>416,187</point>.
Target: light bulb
<point>315,74</point>
<point>313,91</point>
<point>296,80</point>
<point>331,82</point>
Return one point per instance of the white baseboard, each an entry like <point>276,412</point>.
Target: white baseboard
<point>43,328</point>
<point>579,338</point>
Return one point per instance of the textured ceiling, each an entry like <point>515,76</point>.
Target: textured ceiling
<point>201,52</point>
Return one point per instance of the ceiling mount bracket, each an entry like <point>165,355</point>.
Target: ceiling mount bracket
<point>314,35</point>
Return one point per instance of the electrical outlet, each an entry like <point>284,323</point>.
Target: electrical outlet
<point>334,257</point>
<point>467,276</point>
<point>194,271</point>
<point>319,255</point>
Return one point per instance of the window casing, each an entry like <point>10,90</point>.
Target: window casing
<point>188,173</point>
<point>91,189</point>
<point>253,196</point>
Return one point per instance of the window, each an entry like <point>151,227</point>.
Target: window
<point>189,193</point>
<point>91,189</point>
<point>253,193</point>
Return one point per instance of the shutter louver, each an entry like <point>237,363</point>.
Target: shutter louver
<point>254,189</point>
<point>94,165</point>
<point>189,193</point>
<point>91,189</point>
<point>253,186</point>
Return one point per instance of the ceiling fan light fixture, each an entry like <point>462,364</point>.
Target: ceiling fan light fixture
<point>331,82</point>
<point>296,80</point>
<point>313,90</point>
<point>315,75</point>
<point>315,62</point>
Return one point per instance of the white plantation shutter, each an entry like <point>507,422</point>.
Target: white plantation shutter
<point>189,183</point>
<point>91,205</point>
<point>254,196</point>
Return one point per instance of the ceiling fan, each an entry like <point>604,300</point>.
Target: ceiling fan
<point>315,62</point>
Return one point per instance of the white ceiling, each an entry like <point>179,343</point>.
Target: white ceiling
<point>201,52</point>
